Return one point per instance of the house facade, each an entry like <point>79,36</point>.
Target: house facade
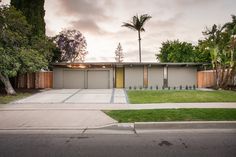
<point>123,75</point>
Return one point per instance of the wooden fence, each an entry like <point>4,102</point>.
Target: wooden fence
<point>205,79</point>
<point>35,80</point>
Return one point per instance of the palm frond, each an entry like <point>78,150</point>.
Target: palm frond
<point>129,25</point>
<point>144,18</point>
<point>137,22</point>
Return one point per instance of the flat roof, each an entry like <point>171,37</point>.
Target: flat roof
<point>128,63</point>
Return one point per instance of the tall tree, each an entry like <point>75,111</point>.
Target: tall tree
<point>119,56</point>
<point>72,45</point>
<point>16,54</point>
<point>176,51</point>
<point>34,12</point>
<point>137,24</point>
<point>221,43</point>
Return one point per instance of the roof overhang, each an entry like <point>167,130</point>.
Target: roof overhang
<point>116,64</point>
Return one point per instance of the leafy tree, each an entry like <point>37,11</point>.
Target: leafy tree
<point>176,51</point>
<point>137,24</point>
<point>119,53</point>
<point>72,45</point>
<point>202,55</point>
<point>45,46</point>
<point>34,12</point>
<point>221,43</point>
<point>16,54</point>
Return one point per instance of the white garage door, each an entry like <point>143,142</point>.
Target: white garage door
<point>73,79</point>
<point>98,79</point>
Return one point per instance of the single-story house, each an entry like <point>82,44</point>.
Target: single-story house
<point>104,75</point>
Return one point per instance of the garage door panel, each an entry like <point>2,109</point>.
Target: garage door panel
<point>98,79</point>
<point>73,79</point>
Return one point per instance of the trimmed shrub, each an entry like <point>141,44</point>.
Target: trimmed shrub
<point>186,87</point>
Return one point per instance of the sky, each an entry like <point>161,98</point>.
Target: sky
<point>100,22</point>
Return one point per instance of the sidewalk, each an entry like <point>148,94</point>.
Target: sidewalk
<point>64,106</point>
<point>81,117</point>
<point>53,119</point>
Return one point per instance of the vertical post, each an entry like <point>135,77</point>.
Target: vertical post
<point>145,76</point>
<point>165,81</point>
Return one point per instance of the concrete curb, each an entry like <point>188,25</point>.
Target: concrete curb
<point>131,128</point>
<point>185,125</point>
<point>144,125</point>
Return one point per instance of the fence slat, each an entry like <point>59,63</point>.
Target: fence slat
<point>35,80</point>
<point>205,79</point>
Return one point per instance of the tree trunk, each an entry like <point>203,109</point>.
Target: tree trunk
<point>139,42</point>
<point>217,77</point>
<point>8,87</point>
<point>222,75</point>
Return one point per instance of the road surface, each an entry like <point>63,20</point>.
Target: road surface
<point>158,144</point>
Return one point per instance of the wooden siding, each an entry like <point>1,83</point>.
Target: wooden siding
<point>35,80</point>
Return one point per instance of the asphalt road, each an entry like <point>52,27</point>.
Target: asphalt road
<point>162,144</point>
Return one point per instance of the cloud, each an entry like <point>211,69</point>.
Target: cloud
<point>168,22</point>
<point>194,2</point>
<point>88,26</point>
<point>84,8</point>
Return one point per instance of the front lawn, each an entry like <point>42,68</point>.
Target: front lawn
<point>21,93</point>
<point>172,96</point>
<point>4,99</point>
<point>159,115</point>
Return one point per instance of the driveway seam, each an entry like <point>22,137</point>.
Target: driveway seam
<point>71,95</point>
<point>126,96</point>
<point>112,96</point>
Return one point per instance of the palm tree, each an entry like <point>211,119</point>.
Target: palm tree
<point>137,24</point>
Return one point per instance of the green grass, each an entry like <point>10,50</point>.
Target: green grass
<point>171,96</point>
<point>173,115</point>
<point>4,99</point>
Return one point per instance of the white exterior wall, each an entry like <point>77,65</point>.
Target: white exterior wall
<point>134,76</point>
<point>155,76</point>
<point>57,78</point>
<point>182,76</point>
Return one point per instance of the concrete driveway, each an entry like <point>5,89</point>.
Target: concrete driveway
<point>52,119</point>
<point>78,96</point>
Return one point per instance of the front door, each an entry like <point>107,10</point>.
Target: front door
<point>120,77</point>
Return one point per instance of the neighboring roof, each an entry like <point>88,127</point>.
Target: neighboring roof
<point>129,63</point>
